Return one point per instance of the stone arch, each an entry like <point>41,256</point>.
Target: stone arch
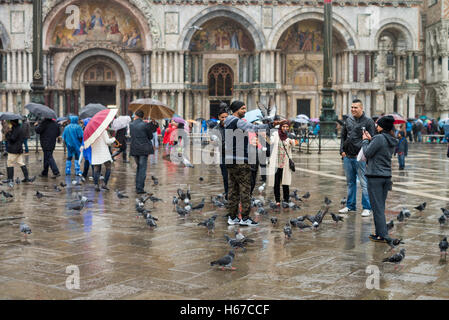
<point>4,37</point>
<point>339,24</point>
<point>221,11</point>
<point>399,25</point>
<point>86,64</point>
<point>150,29</point>
<point>305,65</point>
<point>71,62</point>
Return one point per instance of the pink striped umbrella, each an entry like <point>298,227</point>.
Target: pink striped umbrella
<point>97,125</point>
<point>397,118</point>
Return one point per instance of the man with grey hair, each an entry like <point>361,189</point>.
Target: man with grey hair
<point>351,143</point>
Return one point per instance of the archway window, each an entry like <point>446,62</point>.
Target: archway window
<point>99,73</point>
<point>220,81</point>
<point>390,59</point>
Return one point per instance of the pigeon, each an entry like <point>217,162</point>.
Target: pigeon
<point>182,212</point>
<point>306,195</point>
<point>188,208</point>
<point>284,205</point>
<point>343,201</point>
<point>261,210</point>
<point>293,206</point>
<point>302,225</point>
<point>287,231</point>
<point>201,179</point>
<point>200,206</point>
<point>154,199</point>
<point>150,222</point>
<point>421,207</point>
<point>39,195</point>
<point>293,222</point>
<point>258,203</point>
<point>261,188</point>
<point>217,203</point>
<point>209,224</point>
<point>78,205</point>
<point>444,245</point>
<point>442,219</point>
<point>396,258</point>
<point>390,225</point>
<point>62,184</point>
<point>25,229</point>
<point>120,195</point>
<point>225,261</point>
<point>235,243</point>
<point>393,243</point>
<point>57,189</point>
<point>407,214</point>
<point>241,237</point>
<point>76,183</point>
<point>445,212</point>
<point>17,180</point>
<point>11,184</point>
<point>6,194</point>
<point>274,220</point>
<point>155,180</point>
<point>327,201</point>
<point>181,194</point>
<point>175,200</point>
<point>336,218</point>
<point>274,206</point>
<point>147,215</point>
<point>318,218</point>
<point>400,216</point>
<point>294,195</point>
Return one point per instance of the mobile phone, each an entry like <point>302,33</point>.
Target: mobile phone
<point>363,129</point>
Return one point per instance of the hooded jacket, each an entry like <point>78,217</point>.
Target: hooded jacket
<point>73,134</point>
<point>48,130</point>
<point>378,154</point>
<point>15,139</point>
<point>351,134</point>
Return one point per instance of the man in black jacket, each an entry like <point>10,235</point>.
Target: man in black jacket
<point>141,146</point>
<point>48,131</point>
<point>351,143</point>
<point>15,136</point>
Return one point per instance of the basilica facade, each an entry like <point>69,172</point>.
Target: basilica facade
<point>191,54</point>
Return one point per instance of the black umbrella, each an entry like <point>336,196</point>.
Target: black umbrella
<point>90,110</point>
<point>10,116</point>
<point>41,111</point>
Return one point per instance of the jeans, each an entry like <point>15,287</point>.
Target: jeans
<point>378,191</point>
<point>97,172</point>
<point>141,174</point>
<point>224,173</point>
<point>419,136</point>
<point>49,161</point>
<point>354,169</point>
<point>25,143</point>
<point>86,168</point>
<point>401,160</point>
<point>277,187</point>
<point>155,140</point>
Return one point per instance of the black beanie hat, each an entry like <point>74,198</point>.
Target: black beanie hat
<point>236,105</point>
<point>386,123</point>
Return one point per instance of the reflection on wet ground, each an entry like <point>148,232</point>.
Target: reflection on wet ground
<point>119,257</point>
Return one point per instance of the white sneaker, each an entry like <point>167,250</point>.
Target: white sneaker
<point>366,213</point>
<point>233,221</point>
<point>344,210</point>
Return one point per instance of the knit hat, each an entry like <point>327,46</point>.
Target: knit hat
<point>236,105</point>
<point>386,123</point>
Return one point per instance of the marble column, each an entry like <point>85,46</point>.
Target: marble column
<point>200,68</point>
<point>27,98</point>
<point>262,66</point>
<point>13,65</point>
<point>164,97</point>
<point>75,101</point>
<point>160,67</point>
<point>3,106</point>
<point>344,107</point>
<point>272,66</point>
<point>61,102</point>
<point>180,105</point>
<point>30,67</point>
<point>444,68</point>
<point>435,70</point>
<point>170,67</point>
<point>400,101</point>
<point>187,104</point>
<point>181,67</point>
<point>368,103</point>
<point>153,66</point>
<point>398,68</point>
<point>165,64</point>
<point>8,67</point>
<point>19,66</point>
<point>351,67</point>
<point>186,69</point>
<point>411,105</point>
<point>175,65</point>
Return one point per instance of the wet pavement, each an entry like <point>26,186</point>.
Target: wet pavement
<point>119,257</point>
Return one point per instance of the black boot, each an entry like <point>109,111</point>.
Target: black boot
<point>25,174</point>
<point>10,173</point>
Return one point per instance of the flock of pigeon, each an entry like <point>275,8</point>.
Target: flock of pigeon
<point>183,205</point>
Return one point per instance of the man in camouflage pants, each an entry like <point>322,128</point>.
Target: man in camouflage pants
<point>238,166</point>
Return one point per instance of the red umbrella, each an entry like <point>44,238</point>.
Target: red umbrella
<point>397,118</point>
<point>97,125</point>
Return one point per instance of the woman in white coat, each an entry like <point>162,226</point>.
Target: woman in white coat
<point>278,169</point>
<point>102,155</point>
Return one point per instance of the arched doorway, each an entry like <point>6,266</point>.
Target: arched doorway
<point>220,80</point>
<point>100,85</point>
<point>305,83</point>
